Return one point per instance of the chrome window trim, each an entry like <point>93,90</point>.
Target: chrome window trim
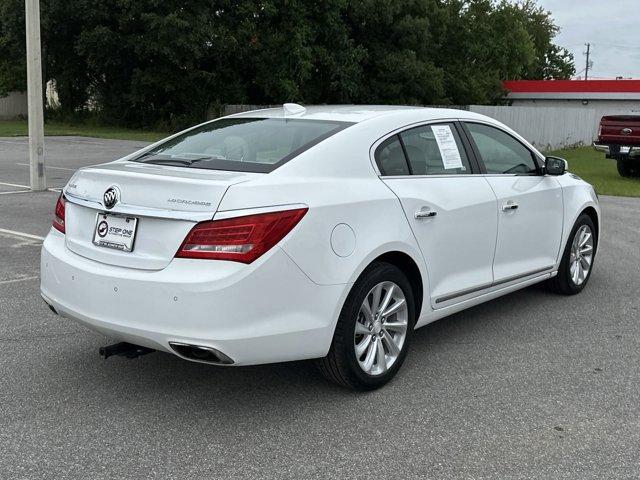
<point>376,144</point>
<point>539,158</point>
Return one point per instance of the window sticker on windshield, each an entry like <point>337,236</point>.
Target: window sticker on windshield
<point>448,148</point>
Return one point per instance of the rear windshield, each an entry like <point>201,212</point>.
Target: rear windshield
<point>242,144</point>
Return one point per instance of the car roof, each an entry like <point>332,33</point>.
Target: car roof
<point>355,113</point>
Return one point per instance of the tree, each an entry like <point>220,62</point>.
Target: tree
<point>551,61</point>
<point>13,71</point>
<point>166,62</point>
<point>398,62</point>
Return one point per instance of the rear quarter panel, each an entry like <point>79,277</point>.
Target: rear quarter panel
<point>336,180</point>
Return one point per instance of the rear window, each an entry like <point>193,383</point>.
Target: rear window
<point>242,144</point>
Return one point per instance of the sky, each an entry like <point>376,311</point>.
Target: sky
<point>611,26</point>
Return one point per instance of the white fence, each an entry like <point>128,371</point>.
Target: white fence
<point>548,128</point>
<point>13,106</point>
<point>551,128</point>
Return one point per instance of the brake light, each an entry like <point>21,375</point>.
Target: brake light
<point>240,239</point>
<point>58,219</point>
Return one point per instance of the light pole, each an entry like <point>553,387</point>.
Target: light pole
<point>34,96</point>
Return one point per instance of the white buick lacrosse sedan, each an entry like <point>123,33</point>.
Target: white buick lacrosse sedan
<point>326,233</point>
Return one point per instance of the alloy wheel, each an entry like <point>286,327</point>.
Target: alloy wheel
<point>381,328</point>
<point>581,255</point>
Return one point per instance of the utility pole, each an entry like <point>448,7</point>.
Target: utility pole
<point>588,54</point>
<point>34,96</point>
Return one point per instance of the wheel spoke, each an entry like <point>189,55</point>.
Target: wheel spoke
<point>362,346</point>
<point>366,309</point>
<point>391,345</point>
<point>395,308</point>
<point>585,263</point>
<point>575,272</point>
<point>371,356</point>
<point>375,300</point>
<point>395,327</point>
<point>586,250</point>
<point>381,357</point>
<point>387,298</point>
<point>361,329</point>
<point>585,237</point>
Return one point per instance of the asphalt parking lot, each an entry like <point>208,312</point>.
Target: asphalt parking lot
<point>532,385</point>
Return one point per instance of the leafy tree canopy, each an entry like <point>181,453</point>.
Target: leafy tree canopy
<point>165,62</point>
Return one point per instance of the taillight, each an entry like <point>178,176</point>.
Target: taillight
<point>58,219</point>
<point>239,239</point>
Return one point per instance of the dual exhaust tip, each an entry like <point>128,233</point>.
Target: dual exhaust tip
<point>195,353</point>
<point>198,353</point>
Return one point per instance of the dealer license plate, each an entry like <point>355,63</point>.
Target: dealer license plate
<point>115,231</point>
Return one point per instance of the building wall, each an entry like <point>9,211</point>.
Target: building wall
<point>13,106</point>
<point>631,105</point>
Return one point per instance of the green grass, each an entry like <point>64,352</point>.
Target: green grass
<point>11,128</point>
<point>599,171</point>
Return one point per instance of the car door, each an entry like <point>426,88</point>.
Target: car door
<point>451,211</point>
<point>530,208</point>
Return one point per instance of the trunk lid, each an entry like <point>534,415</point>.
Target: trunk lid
<point>620,130</point>
<point>167,202</point>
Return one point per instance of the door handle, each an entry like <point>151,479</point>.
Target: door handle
<point>510,206</point>
<point>425,212</point>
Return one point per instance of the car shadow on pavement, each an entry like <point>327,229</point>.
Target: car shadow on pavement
<point>228,389</point>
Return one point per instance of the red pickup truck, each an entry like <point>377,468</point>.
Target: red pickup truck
<point>619,138</point>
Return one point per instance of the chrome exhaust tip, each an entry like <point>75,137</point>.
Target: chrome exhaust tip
<point>198,353</point>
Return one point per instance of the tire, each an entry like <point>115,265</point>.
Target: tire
<point>342,365</point>
<point>628,168</point>
<point>565,281</point>
<point>624,168</point>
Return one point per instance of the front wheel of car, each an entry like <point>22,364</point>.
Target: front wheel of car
<point>373,331</point>
<point>577,259</point>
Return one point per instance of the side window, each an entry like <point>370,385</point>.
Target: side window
<point>435,150</point>
<point>500,152</point>
<point>390,158</point>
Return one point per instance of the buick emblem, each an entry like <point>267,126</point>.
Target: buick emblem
<point>626,131</point>
<point>110,197</point>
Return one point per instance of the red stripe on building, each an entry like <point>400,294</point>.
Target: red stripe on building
<point>572,86</point>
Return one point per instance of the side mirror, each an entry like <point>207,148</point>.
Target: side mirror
<point>555,165</point>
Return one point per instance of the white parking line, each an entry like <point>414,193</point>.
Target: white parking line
<point>14,185</point>
<point>21,234</point>
<point>15,191</point>
<point>15,280</point>
<point>50,166</point>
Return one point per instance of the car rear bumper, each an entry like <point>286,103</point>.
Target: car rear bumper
<point>265,312</point>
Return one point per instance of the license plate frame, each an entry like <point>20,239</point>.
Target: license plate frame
<point>116,235</point>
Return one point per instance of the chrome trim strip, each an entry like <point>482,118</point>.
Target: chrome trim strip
<point>458,175</point>
<point>136,211</point>
<point>513,278</point>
